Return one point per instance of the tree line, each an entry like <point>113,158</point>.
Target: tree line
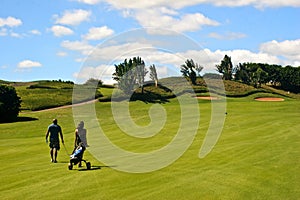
<point>132,72</point>
<point>256,74</point>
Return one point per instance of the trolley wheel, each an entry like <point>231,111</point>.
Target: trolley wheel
<point>70,166</point>
<point>88,165</point>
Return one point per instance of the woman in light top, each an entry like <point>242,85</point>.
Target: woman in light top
<point>80,135</point>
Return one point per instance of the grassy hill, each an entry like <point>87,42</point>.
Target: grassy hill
<point>38,95</point>
<point>43,94</point>
<point>232,88</point>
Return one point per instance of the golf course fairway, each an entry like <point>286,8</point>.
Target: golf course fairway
<point>256,157</point>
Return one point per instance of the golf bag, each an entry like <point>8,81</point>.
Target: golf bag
<point>77,156</point>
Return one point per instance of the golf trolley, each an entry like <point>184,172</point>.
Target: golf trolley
<point>76,157</point>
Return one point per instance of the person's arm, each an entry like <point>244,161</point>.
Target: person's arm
<point>87,144</point>
<point>75,141</point>
<point>61,136</point>
<point>47,134</point>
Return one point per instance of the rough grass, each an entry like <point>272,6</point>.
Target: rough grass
<point>256,157</point>
<point>41,95</point>
<point>42,98</point>
<point>232,88</point>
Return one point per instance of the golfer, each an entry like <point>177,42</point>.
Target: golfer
<point>80,137</point>
<point>54,130</point>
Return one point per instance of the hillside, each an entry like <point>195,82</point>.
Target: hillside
<point>43,94</point>
<point>232,88</point>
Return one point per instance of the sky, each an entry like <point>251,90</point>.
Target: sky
<point>81,39</point>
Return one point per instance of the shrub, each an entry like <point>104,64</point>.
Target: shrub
<point>10,103</point>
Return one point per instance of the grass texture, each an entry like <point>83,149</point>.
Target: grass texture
<point>256,157</point>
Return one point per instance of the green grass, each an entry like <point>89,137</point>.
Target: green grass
<point>41,95</point>
<point>256,157</point>
<point>38,99</point>
<point>45,94</point>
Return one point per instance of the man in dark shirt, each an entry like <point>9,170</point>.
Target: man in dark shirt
<point>54,130</point>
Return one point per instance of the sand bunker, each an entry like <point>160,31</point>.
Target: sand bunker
<point>269,99</point>
<point>208,98</point>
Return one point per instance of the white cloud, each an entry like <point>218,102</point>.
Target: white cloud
<point>120,51</point>
<point>168,11</point>
<point>241,55</point>
<point>178,4</point>
<point>27,64</point>
<point>98,33</point>
<point>161,14</point>
<point>73,17</point>
<point>168,64</point>
<point>59,31</point>
<point>61,53</point>
<point>173,20</point>
<point>16,35</point>
<point>227,36</point>
<point>208,59</point>
<point>10,22</point>
<point>276,3</point>
<point>90,2</point>
<point>3,32</point>
<point>289,49</point>
<point>35,32</point>
<point>7,32</point>
<point>192,22</point>
<point>169,58</point>
<point>102,72</point>
<point>81,46</point>
<point>165,13</point>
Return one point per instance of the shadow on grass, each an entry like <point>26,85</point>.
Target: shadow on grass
<point>19,119</point>
<point>148,97</point>
<point>93,167</point>
<point>26,119</point>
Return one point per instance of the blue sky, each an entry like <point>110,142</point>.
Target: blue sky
<point>79,39</point>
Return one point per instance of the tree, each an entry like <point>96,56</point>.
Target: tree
<point>251,73</point>
<point>141,72</point>
<point>94,82</point>
<point>212,76</point>
<point>153,74</point>
<point>259,77</point>
<point>198,68</point>
<point>129,73</point>
<point>290,79</point>
<point>241,73</point>
<point>10,103</point>
<point>225,68</point>
<point>188,68</point>
<point>273,73</point>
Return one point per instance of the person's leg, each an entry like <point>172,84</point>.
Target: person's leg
<point>51,154</point>
<point>55,155</point>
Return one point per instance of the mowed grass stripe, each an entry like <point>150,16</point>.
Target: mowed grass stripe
<point>256,157</point>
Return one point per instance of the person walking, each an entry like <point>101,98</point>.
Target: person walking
<point>80,137</point>
<point>53,132</point>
